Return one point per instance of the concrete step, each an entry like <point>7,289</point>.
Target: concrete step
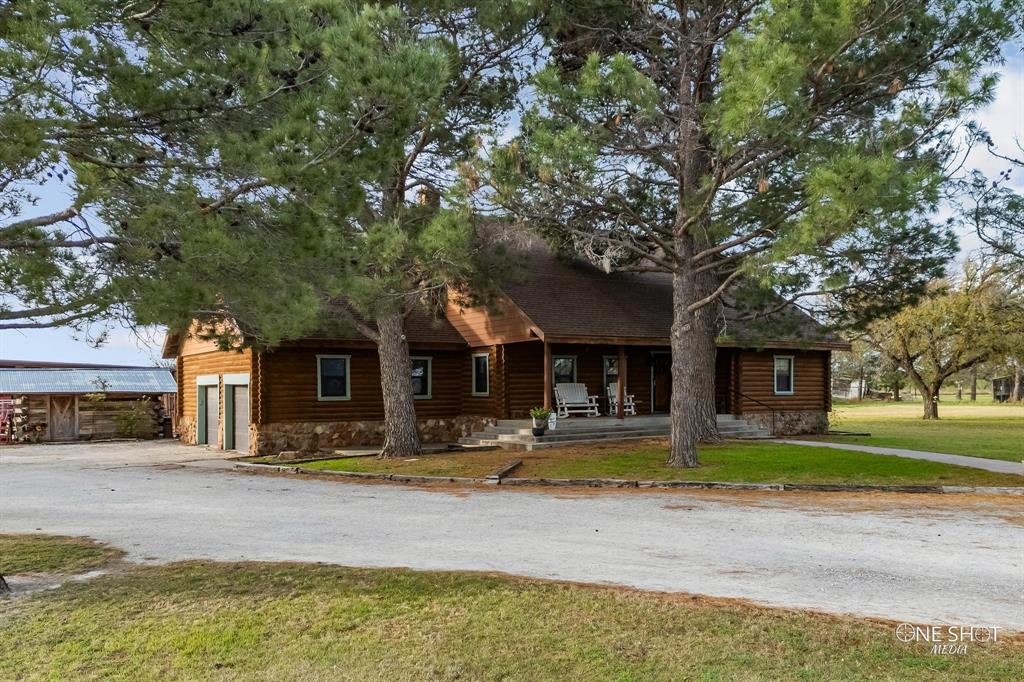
<point>556,437</point>
<point>499,431</point>
<point>605,420</point>
<point>529,443</point>
<point>516,433</point>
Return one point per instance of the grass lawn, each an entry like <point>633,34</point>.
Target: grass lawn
<point>210,621</point>
<point>751,462</point>
<point>994,430</point>
<point>47,554</point>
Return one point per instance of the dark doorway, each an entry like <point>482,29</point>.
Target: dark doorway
<point>661,382</point>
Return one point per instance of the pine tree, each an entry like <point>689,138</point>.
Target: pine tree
<point>762,150</point>
<point>251,164</point>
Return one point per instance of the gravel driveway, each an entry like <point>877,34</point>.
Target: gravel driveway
<point>955,559</point>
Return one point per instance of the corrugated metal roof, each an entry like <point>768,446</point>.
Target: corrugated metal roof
<point>85,380</point>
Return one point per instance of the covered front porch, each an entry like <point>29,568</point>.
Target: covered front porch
<point>638,368</point>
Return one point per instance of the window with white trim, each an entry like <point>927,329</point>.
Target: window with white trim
<point>563,369</point>
<point>784,375</point>
<point>421,372</point>
<point>333,377</point>
<point>481,374</point>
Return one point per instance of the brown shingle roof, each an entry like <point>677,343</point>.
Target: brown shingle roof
<point>572,298</point>
<point>420,328</point>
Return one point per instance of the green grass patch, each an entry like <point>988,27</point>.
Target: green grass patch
<point>993,431</point>
<point>751,462</point>
<point>52,554</point>
<point>207,621</point>
<point>465,465</point>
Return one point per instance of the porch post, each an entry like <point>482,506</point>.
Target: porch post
<point>548,388</point>
<point>620,394</point>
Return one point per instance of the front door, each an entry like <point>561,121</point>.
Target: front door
<point>62,417</point>
<point>661,382</point>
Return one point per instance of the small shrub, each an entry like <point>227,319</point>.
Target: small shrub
<point>132,421</point>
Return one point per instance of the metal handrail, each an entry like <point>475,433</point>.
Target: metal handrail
<point>741,394</point>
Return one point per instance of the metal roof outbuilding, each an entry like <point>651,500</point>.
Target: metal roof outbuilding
<point>152,381</point>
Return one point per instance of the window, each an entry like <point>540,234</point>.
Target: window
<point>420,377</point>
<point>332,377</point>
<point>481,374</point>
<point>611,370</point>
<point>784,375</point>
<point>564,369</point>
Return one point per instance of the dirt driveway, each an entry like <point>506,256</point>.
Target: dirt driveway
<point>123,453</point>
<point>955,559</point>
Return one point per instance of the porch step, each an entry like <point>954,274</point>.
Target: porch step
<point>516,433</point>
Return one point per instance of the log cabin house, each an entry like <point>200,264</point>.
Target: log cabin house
<point>569,321</point>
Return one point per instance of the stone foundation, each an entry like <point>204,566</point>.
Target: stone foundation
<point>187,430</point>
<point>791,423</point>
<point>270,439</point>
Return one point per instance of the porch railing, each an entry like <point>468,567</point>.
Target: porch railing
<point>741,394</point>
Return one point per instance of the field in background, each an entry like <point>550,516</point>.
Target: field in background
<point>994,430</point>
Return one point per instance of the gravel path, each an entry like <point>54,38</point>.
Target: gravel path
<point>959,559</point>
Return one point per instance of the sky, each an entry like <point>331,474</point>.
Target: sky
<point>1003,118</point>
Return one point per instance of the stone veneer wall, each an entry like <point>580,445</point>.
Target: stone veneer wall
<point>270,439</point>
<point>187,430</point>
<point>791,423</point>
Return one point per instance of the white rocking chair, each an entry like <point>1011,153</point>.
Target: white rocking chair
<point>628,402</point>
<point>573,399</point>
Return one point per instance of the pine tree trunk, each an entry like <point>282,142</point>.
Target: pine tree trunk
<point>1018,376</point>
<point>704,357</point>
<point>974,383</point>
<point>896,392</point>
<point>931,404</point>
<point>401,436</point>
<point>687,423</point>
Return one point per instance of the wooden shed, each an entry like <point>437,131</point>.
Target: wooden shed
<point>66,403</point>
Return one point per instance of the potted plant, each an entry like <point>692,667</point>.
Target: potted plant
<point>540,420</point>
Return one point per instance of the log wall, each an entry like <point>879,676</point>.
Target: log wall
<point>493,404</point>
<point>810,374</point>
<point>288,385</point>
<point>192,366</point>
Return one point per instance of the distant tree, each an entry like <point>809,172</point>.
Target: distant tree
<point>891,377</point>
<point>787,146</point>
<point>994,211</point>
<point>961,325</point>
<point>1018,379</point>
<point>859,364</point>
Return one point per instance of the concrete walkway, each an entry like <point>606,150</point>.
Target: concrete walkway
<point>999,466</point>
